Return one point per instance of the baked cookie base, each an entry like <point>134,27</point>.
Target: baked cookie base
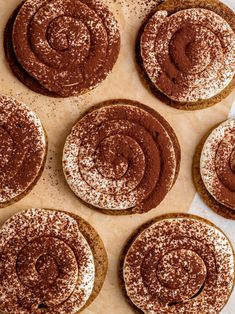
<point>135,235</point>
<point>220,209</point>
<point>173,6</point>
<point>33,184</point>
<point>167,126</point>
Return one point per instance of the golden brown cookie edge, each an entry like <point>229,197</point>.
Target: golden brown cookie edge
<point>99,252</point>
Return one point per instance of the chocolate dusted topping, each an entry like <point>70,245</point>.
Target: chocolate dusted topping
<point>217,163</point>
<point>68,46</point>
<point>179,264</point>
<point>189,55</point>
<point>22,149</point>
<point>128,160</point>
<point>45,264</point>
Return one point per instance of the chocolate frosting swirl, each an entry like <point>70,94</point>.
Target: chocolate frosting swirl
<point>179,264</point>
<point>127,161</point>
<point>69,46</point>
<point>217,164</point>
<point>189,55</point>
<point>22,149</point>
<point>45,264</point>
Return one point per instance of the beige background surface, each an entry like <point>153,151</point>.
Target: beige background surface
<point>58,116</point>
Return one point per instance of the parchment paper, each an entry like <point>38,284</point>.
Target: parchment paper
<point>58,116</point>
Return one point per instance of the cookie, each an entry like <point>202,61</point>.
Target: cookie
<point>186,53</point>
<point>213,169</point>
<point>121,157</point>
<point>23,150</point>
<point>177,263</point>
<point>51,262</point>
<point>54,48</point>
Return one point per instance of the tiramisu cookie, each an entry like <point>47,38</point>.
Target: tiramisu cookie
<point>23,149</point>
<point>121,157</point>
<point>178,263</point>
<point>186,50</point>
<point>50,262</point>
<point>214,169</point>
<point>62,47</point>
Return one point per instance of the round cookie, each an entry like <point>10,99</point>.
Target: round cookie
<point>49,282</point>
<point>169,92</point>
<point>177,263</point>
<point>220,161</point>
<point>63,55</point>
<point>23,150</point>
<point>127,163</point>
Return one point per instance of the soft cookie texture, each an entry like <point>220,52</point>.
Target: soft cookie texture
<point>126,163</point>
<point>186,50</point>
<point>23,150</point>
<point>177,263</point>
<point>62,48</point>
<point>51,262</point>
<point>213,169</point>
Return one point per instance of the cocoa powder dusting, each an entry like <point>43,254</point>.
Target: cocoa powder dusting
<point>179,265</point>
<point>22,148</point>
<point>68,46</point>
<point>121,157</point>
<point>188,55</point>
<point>45,264</point>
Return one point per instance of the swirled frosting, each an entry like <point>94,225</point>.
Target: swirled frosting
<point>45,264</point>
<point>179,265</point>
<point>217,163</point>
<point>22,148</point>
<point>68,46</point>
<point>189,55</point>
<point>121,157</point>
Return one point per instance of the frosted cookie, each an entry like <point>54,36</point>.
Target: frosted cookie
<point>51,262</point>
<point>186,50</point>
<point>122,157</point>
<point>62,48</point>
<point>23,150</point>
<point>214,170</point>
<point>178,263</point>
